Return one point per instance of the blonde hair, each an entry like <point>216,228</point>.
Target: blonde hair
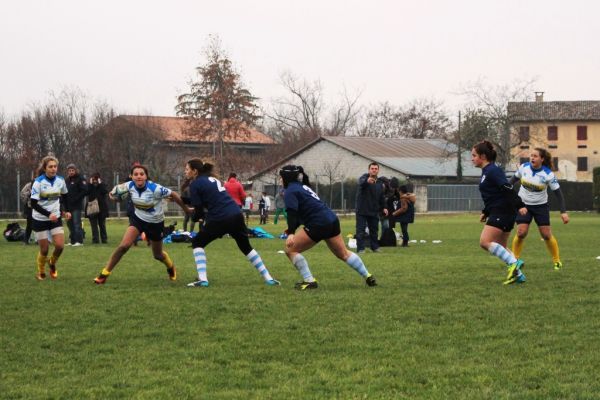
<point>44,163</point>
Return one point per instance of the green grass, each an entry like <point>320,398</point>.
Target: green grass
<point>440,325</point>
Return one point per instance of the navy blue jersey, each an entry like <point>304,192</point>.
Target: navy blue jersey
<point>208,192</point>
<point>311,210</point>
<point>491,187</point>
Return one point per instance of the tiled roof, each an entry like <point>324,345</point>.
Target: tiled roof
<point>178,129</point>
<point>397,147</point>
<point>529,111</point>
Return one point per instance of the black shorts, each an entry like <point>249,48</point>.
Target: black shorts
<point>540,213</point>
<point>154,230</point>
<point>42,226</point>
<point>506,222</point>
<point>233,225</point>
<point>318,233</point>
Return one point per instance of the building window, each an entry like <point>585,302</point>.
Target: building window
<point>524,133</point>
<point>553,146</point>
<point>523,160</point>
<point>582,164</point>
<point>553,133</point>
<point>582,146</point>
<point>554,163</point>
<point>582,132</point>
<point>524,147</point>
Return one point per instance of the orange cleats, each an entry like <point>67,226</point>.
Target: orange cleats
<point>40,276</point>
<point>100,279</point>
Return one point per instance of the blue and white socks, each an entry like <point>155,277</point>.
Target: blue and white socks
<point>200,259</point>
<point>502,253</point>
<point>357,264</point>
<point>302,266</point>
<point>258,263</point>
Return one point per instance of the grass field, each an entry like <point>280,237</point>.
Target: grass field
<point>440,325</point>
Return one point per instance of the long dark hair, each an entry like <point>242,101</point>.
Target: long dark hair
<point>486,148</point>
<point>138,165</point>
<point>546,157</point>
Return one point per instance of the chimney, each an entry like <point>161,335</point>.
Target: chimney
<point>539,97</point>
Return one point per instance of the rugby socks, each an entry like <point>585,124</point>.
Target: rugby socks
<point>357,264</point>
<point>552,246</point>
<point>53,260</point>
<point>302,266</point>
<point>41,263</point>
<point>200,259</point>
<point>105,272</point>
<point>502,253</point>
<point>517,246</point>
<point>258,263</point>
<point>167,260</point>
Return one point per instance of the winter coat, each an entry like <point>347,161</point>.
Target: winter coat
<point>100,192</point>
<point>370,197</point>
<point>77,187</point>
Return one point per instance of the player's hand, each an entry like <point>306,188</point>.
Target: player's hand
<point>482,218</point>
<point>53,218</point>
<point>565,218</point>
<point>371,180</point>
<point>385,212</point>
<point>523,210</point>
<point>289,242</point>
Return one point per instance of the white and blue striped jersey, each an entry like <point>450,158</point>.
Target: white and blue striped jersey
<point>534,183</point>
<point>147,201</point>
<point>47,192</point>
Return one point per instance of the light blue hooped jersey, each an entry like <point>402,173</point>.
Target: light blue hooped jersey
<point>534,183</point>
<point>47,192</point>
<point>147,201</point>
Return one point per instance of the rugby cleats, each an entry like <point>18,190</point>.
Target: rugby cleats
<point>306,285</point>
<point>198,284</point>
<point>370,281</point>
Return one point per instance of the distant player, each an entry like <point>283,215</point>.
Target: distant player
<point>147,217</point>
<point>500,203</point>
<point>536,176</point>
<point>304,207</point>
<point>222,216</point>
<point>48,202</point>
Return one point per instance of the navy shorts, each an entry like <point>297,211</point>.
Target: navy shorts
<point>154,230</point>
<point>42,226</point>
<point>540,213</point>
<point>506,222</point>
<point>318,233</point>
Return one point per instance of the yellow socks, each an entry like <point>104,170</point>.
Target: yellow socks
<point>167,260</point>
<point>552,246</point>
<point>41,263</point>
<point>53,260</point>
<point>517,246</point>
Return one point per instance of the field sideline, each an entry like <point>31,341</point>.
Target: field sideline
<point>440,325</point>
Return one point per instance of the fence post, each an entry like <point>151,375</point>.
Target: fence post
<point>18,192</point>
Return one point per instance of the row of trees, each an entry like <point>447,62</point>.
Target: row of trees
<point>218,105</point>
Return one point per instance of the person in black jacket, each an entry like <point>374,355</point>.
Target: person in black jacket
<point>77,186</point>
<point>97,190</point>
<point>370,201</point>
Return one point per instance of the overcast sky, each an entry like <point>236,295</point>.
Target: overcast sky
<point>138,55</point>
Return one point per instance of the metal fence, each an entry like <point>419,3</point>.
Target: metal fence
<point>453,198</point>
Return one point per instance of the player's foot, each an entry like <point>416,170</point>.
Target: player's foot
<point>101,279</point>
<point>53,271</point>
<point>272,282</point>
<point>40,276</point>
<point>371,280</point>
<point>557,265</point>
<point>198,284</point>
<point>519,277</point>
<point>513,270</point>
<point>306,285</point>
<point>172,273</point>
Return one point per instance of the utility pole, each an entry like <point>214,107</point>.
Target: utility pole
<point>459,170</point>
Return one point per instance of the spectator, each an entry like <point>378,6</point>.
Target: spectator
<point>405,214</point>
<point>185,197</point>
<point>27,210</point>
<point>264,205</point>
<point>77,187</point>
<point>98,191</point>
<point>280,206</point>
<point>235,189</point>
<point>248,206</point>
<point>370,201</point>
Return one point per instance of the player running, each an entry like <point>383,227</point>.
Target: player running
<point>148,217</point>
<point>222,216</point>
<point>303,206</point>
<point>500,203</point>
<point>536,176</point>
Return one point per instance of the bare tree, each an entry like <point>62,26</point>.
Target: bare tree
<point>492,103</point>
<point>419,119</point>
